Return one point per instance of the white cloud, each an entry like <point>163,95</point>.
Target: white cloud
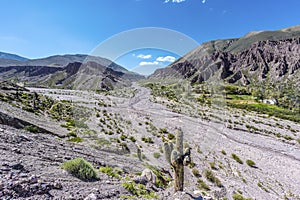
<point>149,63</point>
<point>174,1</point>
<point>144,56</point>
<point>203,1</point>
<point>166,59</point>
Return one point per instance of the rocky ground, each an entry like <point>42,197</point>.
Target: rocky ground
<point>30,162</point>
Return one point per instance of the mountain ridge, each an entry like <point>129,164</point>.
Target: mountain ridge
<point>257,56</point>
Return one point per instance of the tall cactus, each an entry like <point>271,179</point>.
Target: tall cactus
<point>177,159</point>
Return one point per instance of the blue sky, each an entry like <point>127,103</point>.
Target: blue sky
<point>39,28</point>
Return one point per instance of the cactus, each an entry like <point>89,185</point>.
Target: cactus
<point>178,158</point>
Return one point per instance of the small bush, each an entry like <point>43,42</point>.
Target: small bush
<point>81,169</point>
<point>123,137</point>
<point>196,172</point>
<point>202,185</point>
<point>250,163</point>
<point>32,129</point>
<point>236,158</point>
<point>223,152</point>
<point>75,139</point>
<point>239,197</point>
<point>132,139</point>
<point>156,155</point>
<point>212,178</point>
<point>114,172</point>
<point>171,136</point>
<point>139,190</point>
<point>213,165</point>
<point>147,140</point>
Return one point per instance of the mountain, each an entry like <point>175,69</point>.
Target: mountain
<point>12,57</point>
<point>255,57</point>
<point>68,71</point>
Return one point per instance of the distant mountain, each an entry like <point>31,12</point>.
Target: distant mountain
<point>258,56</point>
<point>68,71</point>
<point>13,57</point>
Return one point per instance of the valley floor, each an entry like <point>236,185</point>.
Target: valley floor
<point>26,155</point>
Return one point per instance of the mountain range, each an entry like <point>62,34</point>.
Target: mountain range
<point>258,56</point>
<point>67,71</point>
<point>255,57</point>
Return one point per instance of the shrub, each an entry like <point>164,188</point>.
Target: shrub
<point>223,152</point>
<point>250,163</point>
<point>132,139</point>
<point>236,158</point>
<point>213,165</point>
<point>75,139</point>
<point>171,136</point>
<point>139,190</point>
<point>123,137</point>
<point>114,172</point>
<point>212,178</point>
<point>147,140</point>
<point>81,169</point>
<point>239,197</point>
<point>32,129</point>
<point>196,172</point>
<point>156,155</point>
<point>202,185</point>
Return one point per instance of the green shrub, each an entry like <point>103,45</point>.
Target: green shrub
<point>132,139</point>
<point>32,129</point>
<point>236,158</point>
<point>147,140</point>
<point>156,155</point>
<point>123,137</point>
<point>239,197</point>
<point>114,172</point>
<point>213,165</point>
<point>81,169</point>
<point>223,152</point>
<point>171,136</point>
<point>212,178</point>
<point>202,185</point>
<point>196,172</point>
<point>250,163</point>
<point>139,190</point>
<point>287,137</point>
<point>75,139</point>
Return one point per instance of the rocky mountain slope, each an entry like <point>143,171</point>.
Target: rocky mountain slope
<point>258,56</point>
<point>68,71</point>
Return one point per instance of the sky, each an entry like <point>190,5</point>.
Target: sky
<point>40,28</point>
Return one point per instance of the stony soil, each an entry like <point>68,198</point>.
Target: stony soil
<point>30,163</point>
